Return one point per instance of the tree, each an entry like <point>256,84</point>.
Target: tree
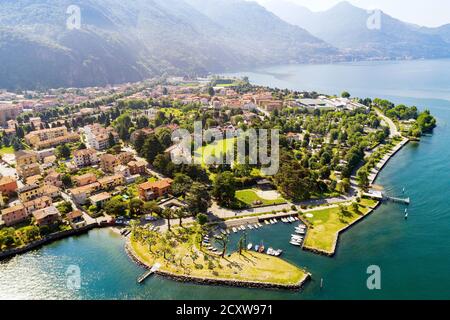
<point>223,240</point>
<point>202,219</point>
<point>181,184</point>
<point>151,207</point>
<point>224,188</point>
<point>65,207</point>
<point>198,199</point>
<point>180,214</point>
<point>115,206</point>
<point>136,207</point>
<point>63,151</point>
<point>345,94</point>
<point>111,140</point>
<point>355,207</point>
<point>211,91</point>
<point>151,148</point>
<point>167,214</point>
<point>66,179</point>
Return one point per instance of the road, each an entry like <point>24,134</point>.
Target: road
<point>393,131</point>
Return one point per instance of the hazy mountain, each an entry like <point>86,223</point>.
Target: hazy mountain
<point>442,31</point>
<point>345,26</point>
<point>129,40</point>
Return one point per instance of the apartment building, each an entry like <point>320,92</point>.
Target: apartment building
<point>98,137</point>
<point>47,138</point>
<point>85,157</point>
<point>108,162</point>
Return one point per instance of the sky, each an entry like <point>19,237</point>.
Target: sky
<point>431,13</point>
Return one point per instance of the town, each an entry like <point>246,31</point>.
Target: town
<point>72,159</point>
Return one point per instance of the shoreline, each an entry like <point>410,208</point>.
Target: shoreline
<point>215,281</point>
<point>332,252</point>
<point>374,175</point>
<point>7,254</point>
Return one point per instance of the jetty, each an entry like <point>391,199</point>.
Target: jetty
<point>380,196</point>
<point>399,200</point>
<point>148,273</point>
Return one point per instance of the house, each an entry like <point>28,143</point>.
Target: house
<point>37,204</point>
<point>140,132</point>
<point>8,185</point>
<point>29,170</point>
<point>125,157</point>
<point>36,179</point>
<point>85,157</point>
<point>51,191</point>
<point>46,216</point>
<point>27,163</point>
<point>137,167</point>
<point>110,182</point>
<point>153,190</point>
<point>85,179</point>
<point>100,199</point>
<point>14,215</point>
<point>42,154</point>
<point>123,170</point>
<point>30,192</point>
<point>53,178</point>
<point>108,162</point>
<point>76,219</point>
<point>25,157</point>
<point>80,195</point>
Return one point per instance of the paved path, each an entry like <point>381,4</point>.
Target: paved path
<point>393,131</point>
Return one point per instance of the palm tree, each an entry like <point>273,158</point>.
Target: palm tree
<point>180,214</point>
<point>223,239</point>
<point>167,214</point>
<point>242,243</point>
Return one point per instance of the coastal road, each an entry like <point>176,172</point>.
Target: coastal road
<point>392,127</point>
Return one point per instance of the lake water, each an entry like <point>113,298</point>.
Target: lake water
<point>414,255</point>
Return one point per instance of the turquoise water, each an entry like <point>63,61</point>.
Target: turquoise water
<point>414,255</point>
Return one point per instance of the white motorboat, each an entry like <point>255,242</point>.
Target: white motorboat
<point>234,230</point>
<point>250,246</point>
<point>295,243</point>
<point>266,222</point>
<point>250,227</point>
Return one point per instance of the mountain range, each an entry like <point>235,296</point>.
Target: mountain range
<point>123,41</point>
<point>366,34</point>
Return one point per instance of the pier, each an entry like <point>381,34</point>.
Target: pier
<point>406,201</point>
<point>148,273</point>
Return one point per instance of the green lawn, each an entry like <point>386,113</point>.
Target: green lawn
<point>215,149</point>
<point>249,196</point>
<point>6,150</point>
<point>326,224</point>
